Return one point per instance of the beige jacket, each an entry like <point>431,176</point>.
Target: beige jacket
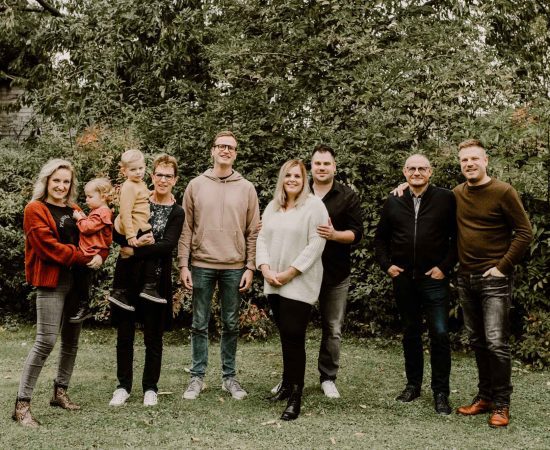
<point>221,219</point>
<point>134,210</point>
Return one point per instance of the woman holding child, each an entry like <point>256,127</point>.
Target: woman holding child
<point>166,222</point>
<point>51,250</point>
<point>288,252</point>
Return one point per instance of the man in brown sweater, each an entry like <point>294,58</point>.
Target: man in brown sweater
<point>493,234</point>
<point>217,247</point>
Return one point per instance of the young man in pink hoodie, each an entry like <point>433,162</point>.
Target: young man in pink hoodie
<point>218,246</point>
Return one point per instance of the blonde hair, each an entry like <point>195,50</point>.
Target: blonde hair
<point>40,189</point>
<point>223,134</point>
<point>471,143</point>
<point>103,186</point>
<point>280,197</point>
<point>130,156</point>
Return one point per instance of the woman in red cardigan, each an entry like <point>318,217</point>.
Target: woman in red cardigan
<point>51,248</point>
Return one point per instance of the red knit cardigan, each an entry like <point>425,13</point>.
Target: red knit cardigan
<point>44,254</point>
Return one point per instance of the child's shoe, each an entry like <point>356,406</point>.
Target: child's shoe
<point>83,313</point>
<point>150,292</point>
<point>118,297</point>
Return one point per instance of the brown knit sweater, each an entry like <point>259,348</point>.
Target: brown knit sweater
<point>493,228</point>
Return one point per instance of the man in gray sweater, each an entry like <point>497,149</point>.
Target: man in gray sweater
<point>218,246</point>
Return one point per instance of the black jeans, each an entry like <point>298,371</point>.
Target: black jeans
<point>486,304</point>
<point>153,330</point>
<point>431,297</point>
<point>291,317</point>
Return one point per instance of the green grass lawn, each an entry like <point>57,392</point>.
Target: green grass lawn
<point>365,417</point>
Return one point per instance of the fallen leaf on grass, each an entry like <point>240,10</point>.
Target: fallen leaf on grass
<point>333,441</point>
<point>363,406</point>
<point>187,370</point>
<point>269,422</point>
<point>195,439</point>
<point>359,434</point>
<point>221,399</point>
<point>165,393</point>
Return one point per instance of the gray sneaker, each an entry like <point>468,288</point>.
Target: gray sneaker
<point>232,386</point>
<point>196,385</point>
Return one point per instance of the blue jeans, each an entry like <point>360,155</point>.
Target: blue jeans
<point>486,304</point>
<point>431,297</point>
<point>332,306</point>
<point>204,282</point>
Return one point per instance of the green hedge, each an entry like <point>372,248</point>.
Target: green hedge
<point>371,310</point>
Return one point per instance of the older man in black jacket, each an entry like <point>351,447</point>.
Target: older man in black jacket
<point>415,244</point>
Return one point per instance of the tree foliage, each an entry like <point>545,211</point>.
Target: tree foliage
<point>377,80</point>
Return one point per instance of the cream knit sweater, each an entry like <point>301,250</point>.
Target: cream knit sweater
<point>289,238</point>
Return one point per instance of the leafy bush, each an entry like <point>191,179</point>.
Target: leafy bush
<point>377,83</point>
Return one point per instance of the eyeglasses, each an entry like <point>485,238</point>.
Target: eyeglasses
<point>422,170</point>
<point>221,147</point>
<point>166,176</point>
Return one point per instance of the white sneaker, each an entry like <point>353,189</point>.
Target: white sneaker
<point>275,389</point>
<point>329,388</point>
<point>119,397</point>
<point>196,385</point>
<point>150,398</point>
<point>232,386</point>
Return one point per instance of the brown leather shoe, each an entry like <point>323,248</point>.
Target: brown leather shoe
<point>478,406</point>
<point>22,414</point>
<point>500,417</point>
<point>61,399</point>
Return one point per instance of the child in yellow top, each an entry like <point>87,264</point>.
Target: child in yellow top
<point>132,223</point>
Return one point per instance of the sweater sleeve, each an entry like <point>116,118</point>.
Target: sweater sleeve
<point>93,223</point>
<point>382,238</point>
<point>251,232</point>
<point>184,243</point>
<point>172,233</point>
<point>44,242</point>
<point>262,253</point>
<point>127,199</point>
<point>317,215</point>
<point>447,264</point>
<point>523,235</point>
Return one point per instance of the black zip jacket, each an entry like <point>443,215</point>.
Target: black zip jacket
<point>417,245</point>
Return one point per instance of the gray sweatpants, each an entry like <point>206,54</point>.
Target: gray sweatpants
<point>52,314</point>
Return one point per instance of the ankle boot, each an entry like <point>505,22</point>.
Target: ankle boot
<point>61,399</point>
<point>22,414</point>
<point>294,404</point>
<point>282,394</point>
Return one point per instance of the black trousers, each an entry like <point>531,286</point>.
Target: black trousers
<point>291,318</point>
<point>153,330</point>
<point>429,298</point>
<point>124,266</point>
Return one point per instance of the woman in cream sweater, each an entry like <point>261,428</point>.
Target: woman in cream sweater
<point>288,253</point>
